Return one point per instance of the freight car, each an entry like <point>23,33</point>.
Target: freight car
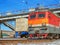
<point>44,24</point>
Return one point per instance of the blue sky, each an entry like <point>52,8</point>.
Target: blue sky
<point>11,5</point>
<point>15,5</point>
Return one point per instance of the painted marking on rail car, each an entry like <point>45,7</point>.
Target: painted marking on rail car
<point>46,25</point>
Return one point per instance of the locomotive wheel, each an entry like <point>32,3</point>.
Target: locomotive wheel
<point>50,36</point>
<point>53,36</point>
<point>57,36</point>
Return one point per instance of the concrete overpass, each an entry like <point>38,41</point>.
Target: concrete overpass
<point>13,16</point>
<point>55,10</point>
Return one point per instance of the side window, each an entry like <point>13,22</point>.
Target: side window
<point>32,16</point>
<point>41,15</point>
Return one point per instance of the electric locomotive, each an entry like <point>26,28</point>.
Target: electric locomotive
<point>43,24</point>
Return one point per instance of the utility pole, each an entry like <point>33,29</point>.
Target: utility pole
<point>1,31</point>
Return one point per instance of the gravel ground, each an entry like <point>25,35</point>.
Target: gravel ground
<point>56,42</point>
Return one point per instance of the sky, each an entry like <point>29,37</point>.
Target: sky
<point>16,5</point>
<point>11,5</point>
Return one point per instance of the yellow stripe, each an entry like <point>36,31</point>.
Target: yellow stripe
<point>38,21</point>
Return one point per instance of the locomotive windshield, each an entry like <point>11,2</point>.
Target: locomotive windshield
<point>41,15</point>
<point>32,16</point>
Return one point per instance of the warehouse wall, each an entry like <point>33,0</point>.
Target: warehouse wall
<point>22,24</point>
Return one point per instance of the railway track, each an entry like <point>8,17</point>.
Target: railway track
<point>23,41</point>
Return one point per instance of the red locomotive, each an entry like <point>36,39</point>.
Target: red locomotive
<point>44,24</point>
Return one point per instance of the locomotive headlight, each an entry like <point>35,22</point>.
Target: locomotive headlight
<point>44,24</point>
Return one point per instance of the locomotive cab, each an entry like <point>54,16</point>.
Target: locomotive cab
<point>37,23</point>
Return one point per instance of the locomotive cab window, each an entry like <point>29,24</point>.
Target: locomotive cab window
<point>32,16</point>
<point>41,15</point>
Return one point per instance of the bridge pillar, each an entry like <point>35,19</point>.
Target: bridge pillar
<point>21,24</point>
